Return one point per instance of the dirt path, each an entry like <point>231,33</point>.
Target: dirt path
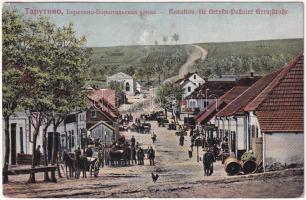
<point>195,53</point>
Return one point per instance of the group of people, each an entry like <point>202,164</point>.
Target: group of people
<point>139,152</point>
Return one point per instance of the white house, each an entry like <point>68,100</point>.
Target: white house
<point>128,83</point>
<point>235,120</point>
<point>276,118</point>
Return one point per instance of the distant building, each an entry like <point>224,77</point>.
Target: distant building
<point>128,83</point>
<point>190,82</point>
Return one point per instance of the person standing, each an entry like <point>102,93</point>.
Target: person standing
<point>151,154</point>
<point>208,159</point>
<point>38,155</point>
<point>182,140</point>
<point>133,141</point>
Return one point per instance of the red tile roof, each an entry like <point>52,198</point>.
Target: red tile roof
<point>285,92</point>
<point>236,107</point>
<point>105,100</point>
<point>280,121</point>
<point>280,106</point>
<point>219,88</point>
<point>222,102</point>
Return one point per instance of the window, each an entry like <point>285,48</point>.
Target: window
<point>93,113</point>
<point>189,89</point>
<point>194,77</point>
<point>127,87</point>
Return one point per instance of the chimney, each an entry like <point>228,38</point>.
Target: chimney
<point>252,74</point>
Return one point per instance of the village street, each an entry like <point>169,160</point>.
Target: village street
<point>179,176</point>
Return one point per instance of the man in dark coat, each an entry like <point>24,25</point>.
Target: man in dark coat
<point>182,140</point>
<point>208,159</point>
<point>89,152</point>
<point>133,141</point>
<point>151,155</point>
<point>140,156</point>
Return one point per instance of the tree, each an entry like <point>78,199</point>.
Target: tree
<point>176,37</point>
<point>167,94</point>
<point>12,72</point>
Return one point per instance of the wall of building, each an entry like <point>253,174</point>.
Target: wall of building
<point>103,133</point>
<point>192,88</point>
<point>197,79</point>
<point>285,148</point>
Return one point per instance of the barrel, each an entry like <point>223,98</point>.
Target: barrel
<point>232,166</point>
<point>249,166</point>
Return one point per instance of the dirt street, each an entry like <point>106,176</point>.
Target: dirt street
<point>179,177</point>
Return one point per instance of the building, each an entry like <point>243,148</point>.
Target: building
<point>72,131</point>
<point>189,83</point>
<point>127,82</point>
<point>103,132</point>
<point>276,117</point>
<point>215,88</point>
<point>232,119</point>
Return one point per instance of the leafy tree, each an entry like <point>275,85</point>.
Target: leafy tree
<point>167,94</point>
<point>12,72</point>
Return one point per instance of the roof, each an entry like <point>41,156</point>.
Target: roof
<point>236,107</point>
<point>186,77</point>
<point>280,121</point>
<point>222,102</point>
<point>101,122</point>
<point>108,94</point>
<point>285,92</point>
<point>186,82</point>
<point>218,87</point>
<point>105,100</point>
<point>280,106</point>
<point>118,76</point>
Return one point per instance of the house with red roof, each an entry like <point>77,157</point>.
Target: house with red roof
<point>232,119</point>
<point>268,117</point>
<point>214,88</point>
<point>276,117</point>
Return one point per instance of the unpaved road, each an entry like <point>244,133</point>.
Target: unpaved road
<point>195,53</point>
<point>179,177</point>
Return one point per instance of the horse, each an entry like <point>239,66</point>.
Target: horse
<point>69,163</point>
<point>81,165</point>
<point>208,159</point>
<point>115,157</point>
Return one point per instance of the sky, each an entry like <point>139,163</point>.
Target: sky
<point>138,29</point>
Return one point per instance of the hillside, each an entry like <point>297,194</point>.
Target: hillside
<point>145,63</point>
<point>151,63</point>
<point>261,57</point>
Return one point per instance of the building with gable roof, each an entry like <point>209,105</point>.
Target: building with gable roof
<point>127,82</point>
<point>276,117</point>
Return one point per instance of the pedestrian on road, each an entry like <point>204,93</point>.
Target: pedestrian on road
<point>182,140</point>
<point>208,159</point>
<point>140,156</point>
<point>151,154</point>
